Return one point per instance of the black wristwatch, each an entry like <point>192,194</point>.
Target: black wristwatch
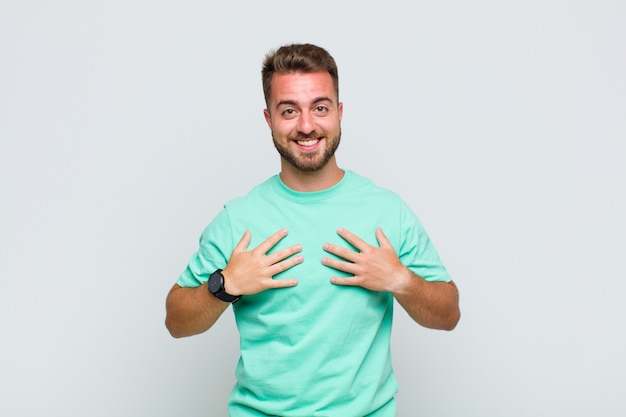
<point>216,287</point>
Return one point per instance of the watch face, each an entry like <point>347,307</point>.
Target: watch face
<point>215,282</point>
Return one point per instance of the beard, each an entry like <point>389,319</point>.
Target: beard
<point>309,162</point>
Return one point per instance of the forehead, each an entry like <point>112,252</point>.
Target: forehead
<point>302,86</point>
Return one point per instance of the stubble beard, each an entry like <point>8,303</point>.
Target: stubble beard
<point>313,161</point>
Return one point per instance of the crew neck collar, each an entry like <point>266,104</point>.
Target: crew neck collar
<point>309,196</point>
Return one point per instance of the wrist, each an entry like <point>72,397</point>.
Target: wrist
<point>217,287</point>
<point>403,282</point>
<point>229,286</point>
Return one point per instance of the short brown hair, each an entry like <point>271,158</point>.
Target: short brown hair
<point>297,58</point>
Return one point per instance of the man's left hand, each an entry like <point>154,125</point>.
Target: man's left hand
<point>374,268</point>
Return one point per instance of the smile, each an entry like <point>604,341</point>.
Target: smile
<point>307,142</point>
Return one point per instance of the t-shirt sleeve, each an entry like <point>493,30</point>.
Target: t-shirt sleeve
<point>213,253</point>
<point>417,251</point>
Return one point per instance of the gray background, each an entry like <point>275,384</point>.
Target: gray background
<point>125,126</point>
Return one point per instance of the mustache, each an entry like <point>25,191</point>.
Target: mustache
<point>311,135</point>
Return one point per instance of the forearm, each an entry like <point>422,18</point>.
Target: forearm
<point>192,310</point>
<point>432,304</point>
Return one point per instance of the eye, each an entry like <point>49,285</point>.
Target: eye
<point>288,112</point>
<point>321,109</point>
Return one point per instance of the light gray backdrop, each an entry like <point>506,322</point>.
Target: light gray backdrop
<point>125,125</point>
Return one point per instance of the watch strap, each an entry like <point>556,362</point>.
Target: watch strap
<point>216,287</point>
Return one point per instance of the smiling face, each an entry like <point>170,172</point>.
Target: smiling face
<point>305,119</point>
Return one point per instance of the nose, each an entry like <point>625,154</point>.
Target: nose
<point>306,123</point>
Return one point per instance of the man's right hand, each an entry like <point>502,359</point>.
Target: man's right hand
<point>250,272</point>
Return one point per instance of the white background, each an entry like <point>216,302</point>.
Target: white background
<point>125,126</point>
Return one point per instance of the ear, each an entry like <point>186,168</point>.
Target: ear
<point>340,110</point>
<point>268,118</point>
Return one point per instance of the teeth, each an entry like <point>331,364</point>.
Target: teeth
<point>309,142</point>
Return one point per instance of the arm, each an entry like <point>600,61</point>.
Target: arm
<point>431,304</point>
<point>194,310</point>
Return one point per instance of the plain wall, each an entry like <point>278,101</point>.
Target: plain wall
<point>125,126</point>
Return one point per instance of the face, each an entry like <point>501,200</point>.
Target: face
<point>305,119</point>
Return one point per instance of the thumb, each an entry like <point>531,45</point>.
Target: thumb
<point>242,246</point>
<point>382,239</point>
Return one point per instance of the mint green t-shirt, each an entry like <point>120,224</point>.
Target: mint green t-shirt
<point>316,349</point>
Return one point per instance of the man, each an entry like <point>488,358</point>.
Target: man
<point>311,261</point>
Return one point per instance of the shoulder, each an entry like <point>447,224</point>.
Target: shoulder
<point>234,210</point>
<point>259,192</point>
<point>362,184</point>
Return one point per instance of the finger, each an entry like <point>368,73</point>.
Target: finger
<point>281,283</point>
<point>353,239</point>
<point>341,252</point>
<point>271,241</point>
<point>283,254</point>
<point>243,242</point>
<point>351,281</point>
<point>348,267</point>
<point>279,267</point>
<point>382,239</point>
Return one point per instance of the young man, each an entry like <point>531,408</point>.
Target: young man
<point>311,260</point>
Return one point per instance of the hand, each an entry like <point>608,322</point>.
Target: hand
<point>250,272</point>
<point>377,269</point>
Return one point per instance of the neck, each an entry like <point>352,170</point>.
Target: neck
<point>319,180</point>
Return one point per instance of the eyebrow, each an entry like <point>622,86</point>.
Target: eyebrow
<point>295,103</point>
